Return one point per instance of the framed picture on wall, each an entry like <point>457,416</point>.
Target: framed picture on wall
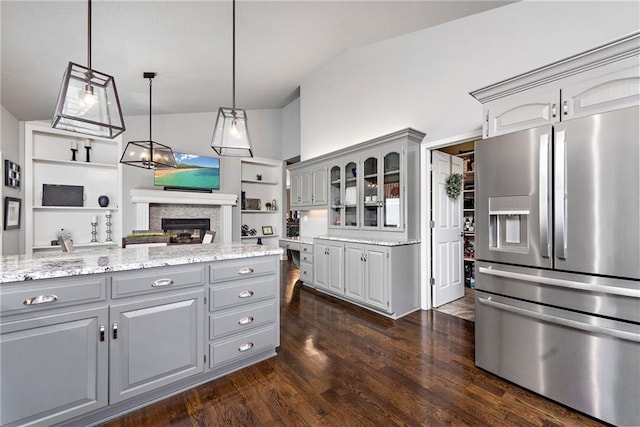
<point>12,207</point>
<point>11,174</point>
<point>267,230</point>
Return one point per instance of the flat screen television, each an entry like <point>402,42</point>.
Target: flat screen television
<point>193,172</point>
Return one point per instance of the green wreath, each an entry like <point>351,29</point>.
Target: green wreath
<point>454,185</point>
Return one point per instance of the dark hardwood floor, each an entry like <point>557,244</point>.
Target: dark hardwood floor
<point>339,365</point>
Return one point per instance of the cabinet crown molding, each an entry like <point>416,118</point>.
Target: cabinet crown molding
<point>615,51</point>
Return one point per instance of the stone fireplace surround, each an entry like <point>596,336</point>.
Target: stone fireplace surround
<point>150,204</point>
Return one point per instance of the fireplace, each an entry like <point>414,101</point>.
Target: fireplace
<point>185,230</point>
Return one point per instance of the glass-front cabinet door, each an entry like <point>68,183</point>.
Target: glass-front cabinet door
<point>371,201</point>
<point>336,196</point>
<point>350,173</point>
<point>391,194</point>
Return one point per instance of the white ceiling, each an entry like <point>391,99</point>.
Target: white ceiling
<point>188,43</point>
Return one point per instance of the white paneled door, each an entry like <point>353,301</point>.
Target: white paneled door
<point>446,238</point>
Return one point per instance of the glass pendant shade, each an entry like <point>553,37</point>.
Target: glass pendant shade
<point>148,155</point>
<point>88,103</point>
<point>231,133</point>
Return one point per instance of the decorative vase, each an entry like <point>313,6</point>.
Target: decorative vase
<point>103,201</point>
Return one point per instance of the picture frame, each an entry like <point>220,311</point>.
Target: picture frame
<point>267,230</point>
<point>12,211</point>
<point>208,237</point>
<point>11,174</point>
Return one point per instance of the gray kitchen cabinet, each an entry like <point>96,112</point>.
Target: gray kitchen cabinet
<point>381,277</point>
<point>328,265</point>
<point>366,268</point>
<point>308,186</point>
<point>155,342</point>
<point>243,311</point>
<point>600,80</point>
<point>54,366</point>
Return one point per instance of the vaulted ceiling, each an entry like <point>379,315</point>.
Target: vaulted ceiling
<point>188,43</point>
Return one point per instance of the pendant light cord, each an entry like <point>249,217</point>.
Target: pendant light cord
<point>233,80</point>
<point>150,138</point>
<point>89,37</point>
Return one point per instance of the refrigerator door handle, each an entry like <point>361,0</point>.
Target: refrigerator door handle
<point>560,191</point>
<point>592,287</point>
<point>629,336</point>
<point>544,183</point>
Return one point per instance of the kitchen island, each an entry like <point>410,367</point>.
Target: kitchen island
<point>88,336</point>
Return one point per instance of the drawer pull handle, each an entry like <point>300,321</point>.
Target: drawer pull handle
<point>246,346</point>
<point>40,299</point>
<point>245,320</point>
<point>162,282</point>
<point>102,332</point>
<point>245,294</point>
<point>246,270</point>
<point>115,330</point>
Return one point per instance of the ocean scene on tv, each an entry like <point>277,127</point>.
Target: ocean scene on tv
<point>193,171</point>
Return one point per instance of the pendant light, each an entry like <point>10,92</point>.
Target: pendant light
<point>88,100</point>
<point>231,133</point>
<point>148,154</point>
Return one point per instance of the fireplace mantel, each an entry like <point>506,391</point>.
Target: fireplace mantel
<point>143,197</point>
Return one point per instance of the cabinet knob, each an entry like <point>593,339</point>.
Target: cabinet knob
<point>40,299</point>
<point>565,107</point>
<point>554,110</point>
<point>245,294</point>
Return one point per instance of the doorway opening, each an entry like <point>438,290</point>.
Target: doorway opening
<point>452,259</point>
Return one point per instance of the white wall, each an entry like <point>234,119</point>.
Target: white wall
<point>422,80</point>
<point>10,148</point>
<point>192,133</point>
<point>291,130</point>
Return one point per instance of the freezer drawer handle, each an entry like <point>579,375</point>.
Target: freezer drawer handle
<point>629,336</point>
<point>612,290</point>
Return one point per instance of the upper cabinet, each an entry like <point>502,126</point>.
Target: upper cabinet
<point>371,188</point>
<point>66,175</point>
<point>603,79</point>
<point>308,186</point>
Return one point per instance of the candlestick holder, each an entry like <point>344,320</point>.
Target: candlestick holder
<point>74,151</point>
<point>108,224</point>
<point>94,231</point>
<point>88,154</point>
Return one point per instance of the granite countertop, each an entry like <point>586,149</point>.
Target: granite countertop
<point>46,265</point>
<point>301,239</point>
<point>379,242</point>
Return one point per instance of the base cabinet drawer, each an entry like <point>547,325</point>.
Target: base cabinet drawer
<point>242,269</point>
<point>306,272</point>
<point>241,292</point>
<point>240,319</point>
<point>241,346</point>
<point>156,280</point>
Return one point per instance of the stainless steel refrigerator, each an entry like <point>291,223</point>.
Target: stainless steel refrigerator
<point>558,262</point>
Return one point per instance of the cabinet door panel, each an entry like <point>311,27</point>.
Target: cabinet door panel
<point>610,92</point>
<point>158,342</point>
<point>354,272</point>
<point>336,268</point>
<point>320,196</point>
<point>375,268</point>
<point>516,113</point>
<point>320,264</point>
<point>52,368</point>
<point>306,185</point>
